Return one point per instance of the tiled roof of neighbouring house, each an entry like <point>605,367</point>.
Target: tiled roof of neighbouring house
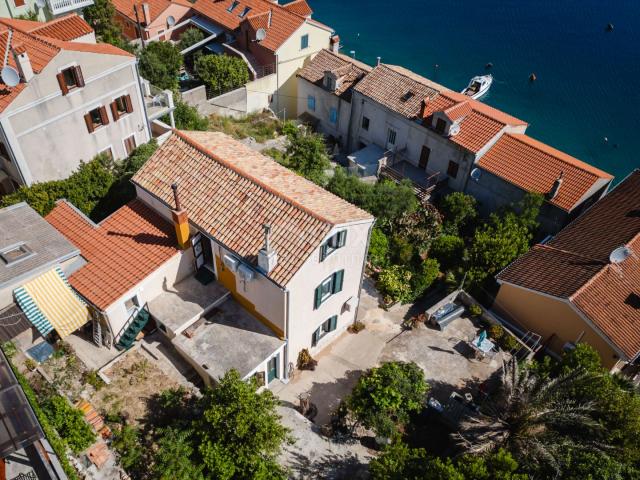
<point>121,251</point>
<point>575,265</point>
<point>349,70</point>
<point>41,49</point>
<point>230,191</point>
<point>278,21</point>
<point>156,7</point>
<point>300,7</point>
<point>535,166</point>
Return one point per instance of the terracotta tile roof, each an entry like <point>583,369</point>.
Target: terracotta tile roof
<point>41,48</point>
<point>67,28</point>
<point>121,251</point>
<point>575,265</point>
<point>283,21</point>
<point>349,69</point>
<point>156,7</point>
<point>300,7</point>
<point>535,166</point>
<point>229,191</point>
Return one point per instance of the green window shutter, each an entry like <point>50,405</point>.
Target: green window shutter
<point>323,251</point>
<point>314,337</point>
<point>333,323</point>
<point>342,238</point>
<point>337,281</point>
<point>318,297</point>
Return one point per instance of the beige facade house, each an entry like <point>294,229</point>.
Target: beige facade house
<point>240,262</point>
<point>584,284</point>
<point>151,19</point>
<point>69,100</point>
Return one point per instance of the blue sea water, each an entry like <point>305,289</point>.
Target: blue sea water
<point>588,80</point>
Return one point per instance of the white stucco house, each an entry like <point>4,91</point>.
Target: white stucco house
<point>240,262</point>
<point>72,99</point>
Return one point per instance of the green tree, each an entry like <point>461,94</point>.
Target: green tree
<point>69,422</point>
<point>449,250</point>
<point>222,72</point>
<point>423,277</point>
<point>174,458</point>
<point>384,397</point>
<point>191,36</point>
<point>419,227</point>
<point>101,16</point>
<point>534,418</point>
<point>239,434</point>
<point>378,248</point>
<point>460,211</point>
<point>389,201</point>
<point>129,447</point>
<point>307,154</point>
<point>160,63</point>
<point>188,117</point>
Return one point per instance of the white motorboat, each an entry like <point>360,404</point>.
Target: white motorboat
<point>478,86</point>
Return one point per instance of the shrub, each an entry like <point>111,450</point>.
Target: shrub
<point>475,310</point>
<point>395,282</point>
<point>306,361</point>
<point>307,155</point>
<point>424,277</point>
<point>508,342</point>
<point>160,63</point>
<point>449,250</point>
<point>222,72</point>
<point>356,327</point>
<point>378,248</point>
<point>9,349</point>
<point>495,331</point>
<point>384,397</point>
<point>69,422</point>
<point>188,117</point>
<point>403,251</point>
<point>92,378</point>
<point>189,37</point>
<point>30,364</point>
<point>127,444</point>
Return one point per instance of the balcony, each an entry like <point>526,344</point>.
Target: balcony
<point>58,7</point>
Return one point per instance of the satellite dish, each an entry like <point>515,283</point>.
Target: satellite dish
<point>261,34</point>
<point>171,20</point>
<point>41,3</point>
<point>454,130</point>
<point>475,174</point>
<point>10,76</point>
<point>620,254</point>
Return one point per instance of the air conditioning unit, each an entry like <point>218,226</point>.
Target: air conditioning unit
<point>230,262</point>
<point>247,274</point>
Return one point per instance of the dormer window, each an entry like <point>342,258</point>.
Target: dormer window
<point>441,126</point>
<point>233,5</point>
<point>244,12</point>
<point>329,82</point>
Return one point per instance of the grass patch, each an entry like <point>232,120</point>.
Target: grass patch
<point>261,126</point>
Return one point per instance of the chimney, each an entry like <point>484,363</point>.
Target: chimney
<point>23,62</point>
<point>267,257</point>
<point>180,219</point>
<point>334,43</point>
<point>378,62</point>
<point>553,193</point>
<point>423,107</point>
<point>146,15</point>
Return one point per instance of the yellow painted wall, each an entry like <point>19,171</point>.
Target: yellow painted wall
<point>547,316</point>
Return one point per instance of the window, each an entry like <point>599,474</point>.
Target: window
<point>326,327</point>
<point>329,82</point>
<point>244,12</point>
<point>108,152</point>
<point>311,103</point>
<point>233,5</point>
<point>452,169</point>
<point>121,106</point>
<point>328,287</point>
<point>70,78</point>
<point>391,137</point>
<point>407,96</point>
<point>132,304</point>
<point>15,253</point>
<point>365,123</point>
<point>333,115</point>
<point>332,244</point>
<point>96,118</point>
<point>130,144</point>
<point>304,41</point>
<point>441,125</point>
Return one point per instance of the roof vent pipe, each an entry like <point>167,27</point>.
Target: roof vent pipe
<point>267,257</point>
<point>553,193</point>
<point>269,19</point>
<point>378,62</point>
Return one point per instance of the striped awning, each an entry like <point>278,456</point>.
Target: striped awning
<point>49,303</point>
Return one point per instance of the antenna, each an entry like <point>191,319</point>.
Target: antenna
<point>261,34</point>
<point>475,174</point>
<point>6,52</point>
<point>171,20</point>
<point>619,255</point>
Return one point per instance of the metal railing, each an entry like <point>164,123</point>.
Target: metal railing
<point>62,6</point>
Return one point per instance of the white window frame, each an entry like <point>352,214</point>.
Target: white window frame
<point>328,282</point>
<point>136,302</point>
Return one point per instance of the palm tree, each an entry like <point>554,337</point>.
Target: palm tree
<point>533,417</point>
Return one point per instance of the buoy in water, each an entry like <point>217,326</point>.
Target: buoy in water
<point>532,77</point>
<point>609,27</point>
<point>606,139</point>
<point>488,66</point>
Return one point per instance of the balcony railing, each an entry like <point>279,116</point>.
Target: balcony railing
<point>58,7</point>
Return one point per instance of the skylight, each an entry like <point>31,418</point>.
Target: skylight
<point>244,12</point>
<point>233,5</point>
<point>15,253</point>
<point>407,96</point>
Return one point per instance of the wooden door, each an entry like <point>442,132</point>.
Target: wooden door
<point>424,157</point>
<point>272,369</point>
